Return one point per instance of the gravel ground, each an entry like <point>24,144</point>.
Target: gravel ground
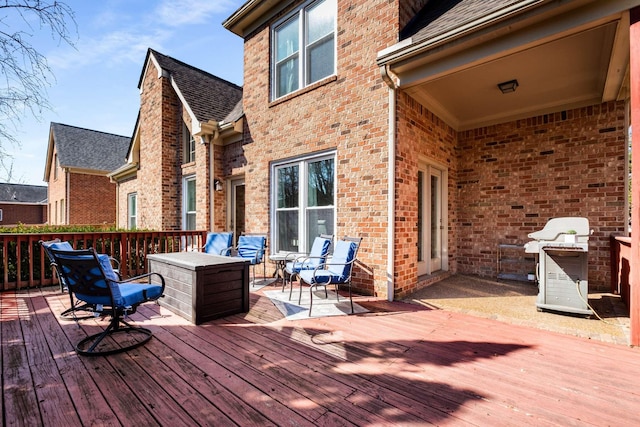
<point>515,302</point>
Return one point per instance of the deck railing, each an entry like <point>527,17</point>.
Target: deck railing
<point>621,267</point>
<point>25,265</point>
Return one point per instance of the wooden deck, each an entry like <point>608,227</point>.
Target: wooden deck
<point>401,364</point>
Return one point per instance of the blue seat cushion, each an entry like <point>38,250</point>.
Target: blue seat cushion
<point>320,277</point>
<point>133,293</point>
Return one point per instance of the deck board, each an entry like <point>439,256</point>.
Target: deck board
<point>400,364</point>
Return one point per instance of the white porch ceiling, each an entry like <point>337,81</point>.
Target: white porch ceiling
<point>568,68</point>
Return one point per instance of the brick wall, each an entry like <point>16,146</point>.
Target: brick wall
<point>158,178</point>
<point>92,199</point>
<point>515,176</point>
<point>56,191</point>
<point>421,136</point>
<point>24,213</point>
<point>348,113</point>
<point>219,197</point>
<point>507,180</point>
<point>125,187</point>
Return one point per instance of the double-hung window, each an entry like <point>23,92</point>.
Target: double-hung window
<point>304,201</point>
<point>304,47</point>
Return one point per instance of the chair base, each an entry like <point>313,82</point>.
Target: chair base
<point>325,285</point>
<point>90,346</point>
<point>87,312</point>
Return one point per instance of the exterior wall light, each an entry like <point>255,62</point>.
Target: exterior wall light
<point>217,185</point>
<point>507,87</point>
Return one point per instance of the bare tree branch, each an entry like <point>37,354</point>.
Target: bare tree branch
<point>24,72</point>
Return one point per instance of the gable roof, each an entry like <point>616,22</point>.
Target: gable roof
<point>209,98</point>
<point>22,193</point>
<point>85,149</point>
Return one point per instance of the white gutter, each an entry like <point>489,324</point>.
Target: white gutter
<point>403,49</point>
<point>391,174</point>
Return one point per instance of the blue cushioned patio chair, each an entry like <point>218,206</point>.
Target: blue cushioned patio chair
<point>218,243</point>
<point>87,310</point>
<point>337,271</point>
<point>252,247</point>
<point>92,280</point>
<point>318,255</point>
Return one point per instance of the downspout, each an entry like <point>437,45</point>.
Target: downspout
<point>67,191</point>
<point>208,140</point>
<point>391,173</point>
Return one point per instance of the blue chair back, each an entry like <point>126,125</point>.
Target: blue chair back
<point>219,243</point>
<point>342,261</point>
<point>89,276</point>
<point>252,248</point>
<point>56,244</point>
<point>319,251</point>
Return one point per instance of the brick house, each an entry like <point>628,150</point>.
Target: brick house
<point>24,204</point>
<point>172,178</point>
<point>436,130</point>
<point>76,168</point>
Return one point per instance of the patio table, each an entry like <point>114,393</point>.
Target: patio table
<point>280,259</point>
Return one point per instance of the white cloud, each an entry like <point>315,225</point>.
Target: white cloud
<point>184,12</point>
<point>110,49</point>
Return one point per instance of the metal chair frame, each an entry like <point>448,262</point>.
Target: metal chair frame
<point>298,263</point>
<point>87,279</point>
<point>314,284</point>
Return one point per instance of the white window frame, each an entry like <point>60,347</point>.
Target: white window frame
<point>132,214</point>
<point>302,163</point>
<point>185,202</point>
<point>303,46</point>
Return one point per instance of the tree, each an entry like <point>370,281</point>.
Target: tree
<point>24,70</point>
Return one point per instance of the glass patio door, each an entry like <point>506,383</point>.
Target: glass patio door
<point>430,222</point>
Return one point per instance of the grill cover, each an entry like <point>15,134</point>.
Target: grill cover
<point>562,250</point>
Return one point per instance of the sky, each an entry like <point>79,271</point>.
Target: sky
<point>95,83</point>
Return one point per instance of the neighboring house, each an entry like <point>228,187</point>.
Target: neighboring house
<point>386,120</point>
<point>24,204</point>
<point>78,161</point>
<point>172,179</point>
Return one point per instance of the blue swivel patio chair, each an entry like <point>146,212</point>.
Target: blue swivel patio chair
<point>218,243</point>
<point>336,271</point>
<point>92,280</point>
<point>87,310</point>
<point>252,247</point>
<point>318,255</point>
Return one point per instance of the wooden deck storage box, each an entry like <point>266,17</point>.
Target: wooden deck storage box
<point>201,287</point>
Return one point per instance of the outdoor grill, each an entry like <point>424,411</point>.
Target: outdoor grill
<point>562,249</point>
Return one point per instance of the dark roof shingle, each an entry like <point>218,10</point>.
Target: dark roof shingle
<point>89,149</point>
<point>209,97</point>
<point>22,193</point>
<point>440,16</point>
